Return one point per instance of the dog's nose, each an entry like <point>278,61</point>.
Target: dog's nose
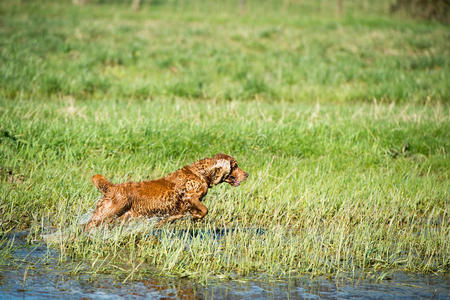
<point>246,175</point>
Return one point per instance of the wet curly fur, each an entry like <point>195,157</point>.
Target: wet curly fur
<point>170,197</point>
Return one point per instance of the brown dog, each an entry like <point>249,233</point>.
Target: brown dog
<point>170,197</point>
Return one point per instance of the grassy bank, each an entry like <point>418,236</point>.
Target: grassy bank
<point>342,123</point>
<point>330,184</point>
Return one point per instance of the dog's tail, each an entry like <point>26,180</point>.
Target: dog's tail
<point>101,183</point>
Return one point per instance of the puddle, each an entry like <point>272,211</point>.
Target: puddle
<point>146,227</point>
<point>34,275</point>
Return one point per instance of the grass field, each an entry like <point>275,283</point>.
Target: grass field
<point>342,123</point>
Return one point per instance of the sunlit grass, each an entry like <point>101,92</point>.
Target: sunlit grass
<point>210,51</point>
<point>330,186</point>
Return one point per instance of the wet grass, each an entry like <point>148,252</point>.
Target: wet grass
<point>333,186</point>
<point>342,123</point>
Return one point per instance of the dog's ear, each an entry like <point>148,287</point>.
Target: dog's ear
<point>220,169</point>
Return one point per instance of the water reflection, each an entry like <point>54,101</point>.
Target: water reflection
<point>34,275</point>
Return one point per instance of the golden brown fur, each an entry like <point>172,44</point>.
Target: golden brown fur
<point>171,197</point>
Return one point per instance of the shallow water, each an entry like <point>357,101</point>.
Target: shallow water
<point>34,275</point>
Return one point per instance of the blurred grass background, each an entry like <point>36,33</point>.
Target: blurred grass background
<point>273,50</point>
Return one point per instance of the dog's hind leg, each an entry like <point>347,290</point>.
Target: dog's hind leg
<point>127,216</point>
<point>105,212</point>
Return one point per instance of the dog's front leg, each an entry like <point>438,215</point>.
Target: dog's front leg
<point>198,210</point>
<point>193,196</point>
<point>169,219</point>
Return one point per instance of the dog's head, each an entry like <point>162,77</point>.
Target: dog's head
<point>224,168</point>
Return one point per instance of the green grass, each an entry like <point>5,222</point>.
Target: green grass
<point>323,182</point>
<point>292,53</point>
<point>317,108</point>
